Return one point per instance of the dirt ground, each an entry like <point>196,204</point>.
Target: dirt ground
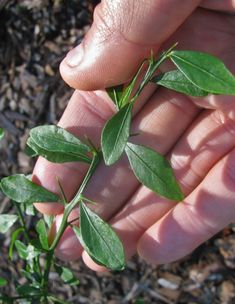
<point>34,37</point>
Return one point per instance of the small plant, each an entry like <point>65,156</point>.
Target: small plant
<point>196,74</point>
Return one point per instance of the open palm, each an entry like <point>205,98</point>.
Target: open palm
<point>196,134</point>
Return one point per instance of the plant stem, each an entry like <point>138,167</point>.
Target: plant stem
<point>95,161</point>
<point>64,224</point>
<point>44,282</point>
<point>153,66</point>
<point>22,221</point>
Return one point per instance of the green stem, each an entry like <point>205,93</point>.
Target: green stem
<point>44,283</point>
<point>64,223</point>
<point>151,70</point>
<point>22,221</point>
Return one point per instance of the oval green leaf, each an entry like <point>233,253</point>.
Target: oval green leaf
<point>66,275</point>
<point>6,221</point>
<point>42,234</point>
<point>205,71</point>
<point>27,290</point>
<point>57,157</point>
<point>177,81</point>
<point>99,240</point>
<point>21,249</point>
<point>56,139</point>
<point>2,132</point>
<point>20,189</point>
<point>153,171</point>
<point>14,237</point>
<point>115,135</point>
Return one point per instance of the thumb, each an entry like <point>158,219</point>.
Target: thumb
<point>122,34</point>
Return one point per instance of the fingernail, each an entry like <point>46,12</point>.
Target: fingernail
<point>74,57</point>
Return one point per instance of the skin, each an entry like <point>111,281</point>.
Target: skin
<point>196,134</point>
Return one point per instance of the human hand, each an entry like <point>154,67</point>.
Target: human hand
<point>199,144</point>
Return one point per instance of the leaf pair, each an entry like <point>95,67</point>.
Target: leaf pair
<point>151,168</point>
<point>198,74</point>
<point>99,240</point>
<point>57,145</point>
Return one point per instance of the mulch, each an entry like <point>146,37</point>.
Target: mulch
<point>34,37</point>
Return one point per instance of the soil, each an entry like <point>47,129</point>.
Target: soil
<point>34,37</point>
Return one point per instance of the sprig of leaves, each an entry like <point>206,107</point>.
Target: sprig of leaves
<point>197,74</point>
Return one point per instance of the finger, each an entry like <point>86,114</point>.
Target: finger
<point>204,212</point>
<point>226,5</point>
<point>122,34</point>
<point>207,140</point>
<point>156,121</point>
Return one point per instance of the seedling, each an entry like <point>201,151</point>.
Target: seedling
<point>197,74</point>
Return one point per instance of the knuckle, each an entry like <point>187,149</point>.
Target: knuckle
<point>222,120</point>
<point>107,20</point>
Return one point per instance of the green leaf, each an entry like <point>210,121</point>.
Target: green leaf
<point>21,249</point>
<point>2,133</point>
<point>26,252</point>
<point>176,80</point>
<point>115,135</point>
<point>56,139</point>
<point>30,210</point>
<point>49,219</point>
<point>205,71</point>
<point>153,171</point>
<point>14,237</point>
<point>26,290</point>
<point>6,299</point>
<point>56,157</point>
<point>32,276</point>
<point>42,233</point>
<point>30,151</point>
<point>66,275</point>
<point>115,93</point>
<point>6,221</point>
<point>99,240</point>
<point>3,282</point>
<point>20,189</point>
